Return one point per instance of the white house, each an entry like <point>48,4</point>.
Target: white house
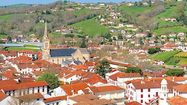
<point>148,90</point>
<point>109,92</point>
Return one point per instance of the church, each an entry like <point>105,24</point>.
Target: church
<point>63,56</point>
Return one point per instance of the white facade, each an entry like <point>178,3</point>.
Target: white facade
<point>21,92</point>
<point>146,95</point>
<point>113,95</point>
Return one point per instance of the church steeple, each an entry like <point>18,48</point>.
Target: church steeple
<point>46,40</point>
<point>46,44</point>
<point>45,32</point>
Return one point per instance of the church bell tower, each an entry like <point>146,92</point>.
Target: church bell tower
<point>46,44</point>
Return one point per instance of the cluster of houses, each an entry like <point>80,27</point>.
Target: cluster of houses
<point>81,86</point>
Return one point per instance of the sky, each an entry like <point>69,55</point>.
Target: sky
<point>11,2</point>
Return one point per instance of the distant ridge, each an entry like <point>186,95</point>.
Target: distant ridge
<point>16,6</point>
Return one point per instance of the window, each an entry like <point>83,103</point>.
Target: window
<point>148,90</point>
<point>141,95</point>
<point>43,88</point>
<point>13,92</point>
<point>38,89</point>
<point>28,91</point>
<point>156,93</point>
<point>19,93</point>
<point>141,101</point>
<point>141,90</point>
<point>9,93</point>
<point>148,95</point>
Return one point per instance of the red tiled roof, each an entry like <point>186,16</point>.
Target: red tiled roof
<point>75,73</point>
<point>6,82</point>
<point>64,72</point>
<point>52,99</point>
<point>31,97</point>
<point>124,75</point>
<point>151,83</point>
<point>181,88</point>
<point>89,63</point>
<point>105,89</point>
<point>119,63</point>
<point>22,59</point>
<point>177,100</point>
<point>38,73</point>
<point>2,95</point>
<point>169,45</point>
<point>95,79</point>
<point>154,74</point>
<point>9,74</point>
<point>17,86</point>
<point>75,87</point>
<point>80,67</point>
<point>133,103</point>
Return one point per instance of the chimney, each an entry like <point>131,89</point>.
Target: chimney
<point>173,79</point>
<point>18,80</point>
<point>142,80</point>
<point>72,91</point>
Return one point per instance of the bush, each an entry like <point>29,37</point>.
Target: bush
<point>153,50</point>
<point>175,72</point>
<point>133,70</point>
<point>51,79</point>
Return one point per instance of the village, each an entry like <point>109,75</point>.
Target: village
<point>102,55</point>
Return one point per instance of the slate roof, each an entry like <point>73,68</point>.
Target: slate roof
<point>77,62</point>
<point>61,52</point>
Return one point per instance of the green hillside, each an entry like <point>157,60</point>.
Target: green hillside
<point>91,27</point>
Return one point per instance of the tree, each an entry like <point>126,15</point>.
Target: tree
<point>150,3</point>
<point>103,68</point>
<point>51,79</point>
<point>120,37</point>
<point>134,70</point>
<point>107,36</point>
<point>9,39</point>
<point>136,3</point>
<point>83,43</point>
<point>175,72</point>
<point>153,50</point>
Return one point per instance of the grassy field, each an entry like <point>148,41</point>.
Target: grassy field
<point>81,11</point>
<point>3,36</point>
<point>163,24</point>
<point>55,35</point>
<point>182,61</point>
<point>27,47</point>
<point>91,27</point>
<point>164,56</point>
<point>9,16</point>
<point>166,27</point>
<point>167,30</point>
<point>6,17</point>
<point>168,13</point>
<point>181,54</point>
<point>171,57</point>
<point>134,10</point>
